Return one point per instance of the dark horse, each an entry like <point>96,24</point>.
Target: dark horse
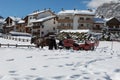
<point>40,42</point>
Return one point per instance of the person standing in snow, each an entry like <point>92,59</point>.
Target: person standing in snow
<point>52,43</point>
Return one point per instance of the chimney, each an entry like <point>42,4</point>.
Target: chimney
<point>74,9</point>
<point>45,9</point>
<point>90,10</point>
<point>62,9</point>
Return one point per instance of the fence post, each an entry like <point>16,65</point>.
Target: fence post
<point>28,46</point>
<point>8,45</point>
<point>0,44</point>
<point>16,45</point>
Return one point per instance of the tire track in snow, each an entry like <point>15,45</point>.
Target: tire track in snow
<point>96,60</point>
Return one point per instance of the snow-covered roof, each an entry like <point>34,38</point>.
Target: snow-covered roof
<point>43,19</point>
<point>19,33</point>
<point>38,12</point>
<point>107,19</point>
<point>73,12</point>
<point>74,31</point>
<point>99,20</point>
<point>15,18</point>
<point>21,21</point>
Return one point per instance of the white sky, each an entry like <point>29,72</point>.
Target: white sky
<point>96,3</point>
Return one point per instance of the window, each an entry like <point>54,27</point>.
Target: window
<point>42,32</point>
<point>82,25</point>
<point>81,18</point>
<point>62,24</point>
<point>34,17</point>
<point>68,24</point>
<point>42,26</point>
<point>97,26</point>
<point>87,18</point>
<point>67,18</point>
<point>54,28</point>
<point>30,17</point>
<point>87,25</point>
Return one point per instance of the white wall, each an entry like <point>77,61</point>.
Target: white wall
<point>48,26</point>
<point>75,23</point>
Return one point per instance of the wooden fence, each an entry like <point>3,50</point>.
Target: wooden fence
<point>16,45</point>
<point>15,38</point>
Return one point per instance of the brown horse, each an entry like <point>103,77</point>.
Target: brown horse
<point>40,42</point>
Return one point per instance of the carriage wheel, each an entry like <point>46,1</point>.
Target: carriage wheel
<point>67,48</point>
<point>81,48</point>
<point>92,48</point>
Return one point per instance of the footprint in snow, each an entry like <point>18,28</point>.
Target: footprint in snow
<point>12,71</point>
<point>32,68</point>
<point>13,74</point>
<point>10,59</point>
<point>29,57</point>
<point>45,55</point>
<point>76,76</point>
<point>39,78</point>
<point>73,69</point>
<point>69,64</point>
<point>45,66</point>
<point>58,77</point>
<point>97,73</point>
<point>117,70</point>
<point>86,78</point>
<point>60,65</point>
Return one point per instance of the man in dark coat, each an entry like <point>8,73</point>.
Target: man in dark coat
<point>52,43</point>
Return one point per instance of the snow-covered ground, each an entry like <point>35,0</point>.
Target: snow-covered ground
<point>44,64</point>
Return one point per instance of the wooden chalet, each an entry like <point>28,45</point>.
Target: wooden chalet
<point>113,25</point>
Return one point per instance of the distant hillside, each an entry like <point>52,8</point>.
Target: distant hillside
<point>108,10</point>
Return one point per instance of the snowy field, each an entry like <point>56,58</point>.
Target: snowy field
<point>44,64</point>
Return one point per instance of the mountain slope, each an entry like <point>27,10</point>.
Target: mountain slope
<point>108,10</point>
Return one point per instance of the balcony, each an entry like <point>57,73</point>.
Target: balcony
<point>65,27</point>
<point>82,27</point>
<point>9,25</point>
<point>35,27</point>
<point>65,21</point>
<point>85,21</point>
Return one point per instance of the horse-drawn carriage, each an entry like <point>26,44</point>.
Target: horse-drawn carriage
<point>66,43</point>
<point>87,45</point>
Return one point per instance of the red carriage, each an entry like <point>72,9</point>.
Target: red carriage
<point>88,45</point>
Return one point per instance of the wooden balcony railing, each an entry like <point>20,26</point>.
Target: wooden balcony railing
<point>85,21</point>
<point>65,27</point>
<point>65,20</point>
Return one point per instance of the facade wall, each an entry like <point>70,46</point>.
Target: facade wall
<point>41,28</point>
<point>113,26</point>
<point>49,26</point>
<point>97,27</point>
<point>75,22</point>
